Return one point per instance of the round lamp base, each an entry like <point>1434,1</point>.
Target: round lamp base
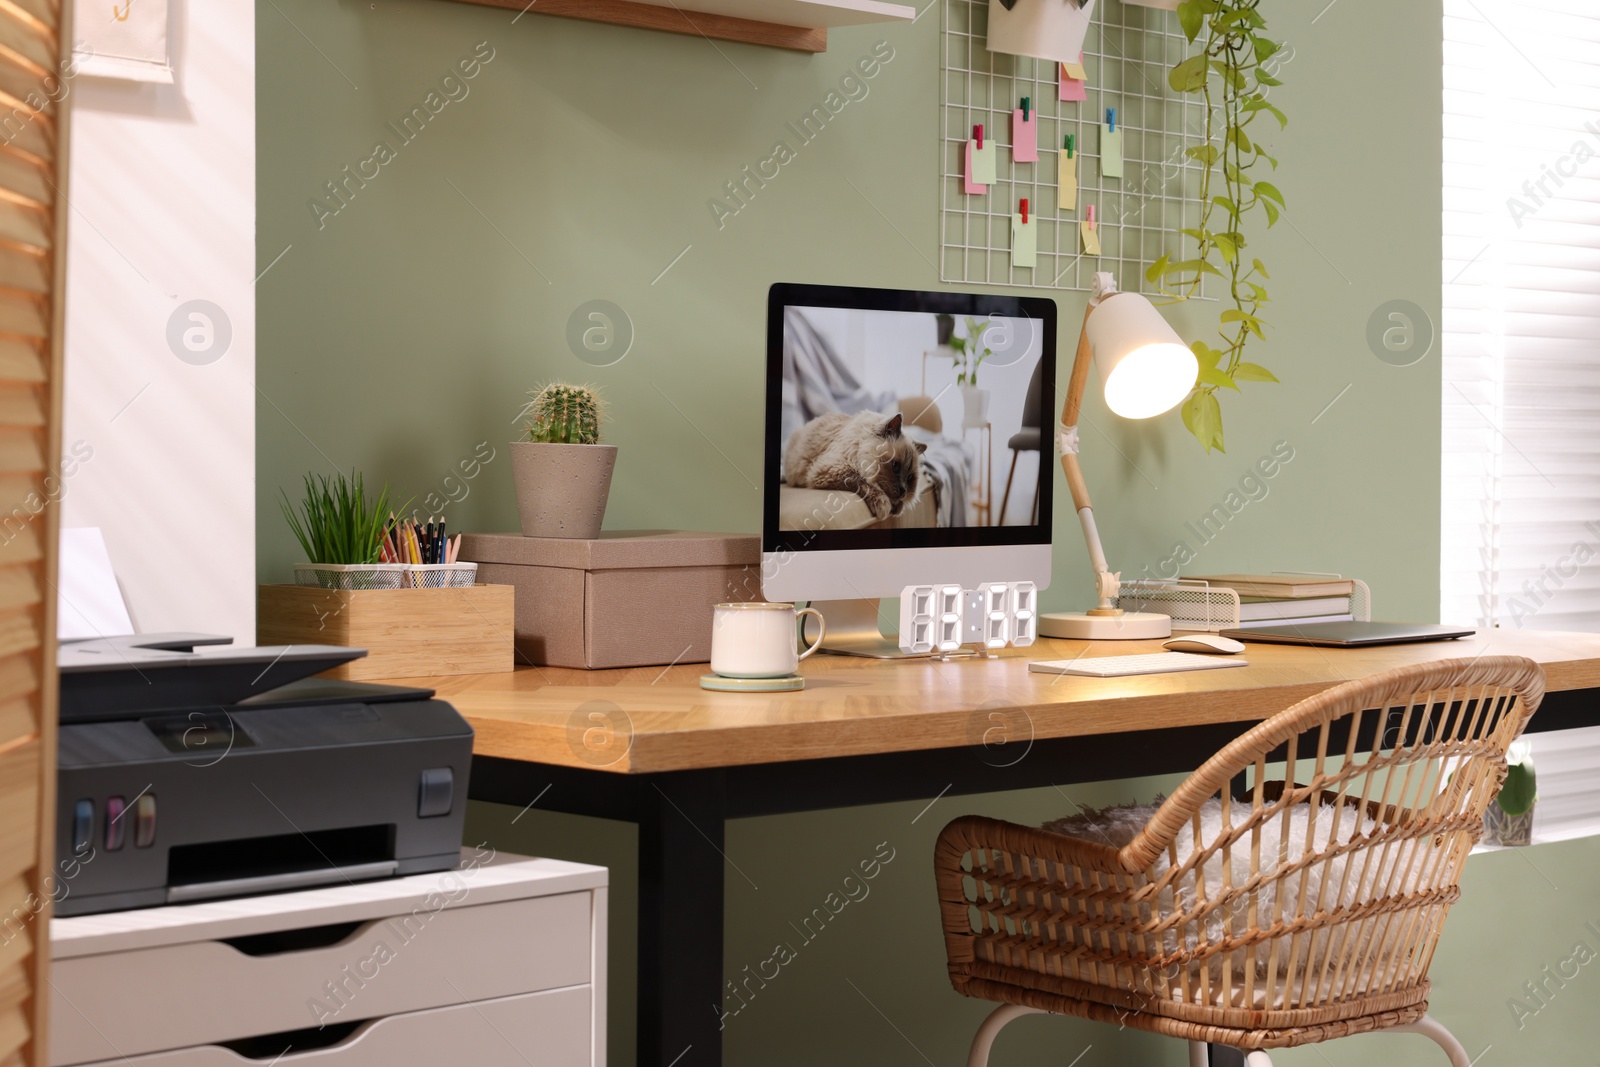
<point>1131,626</point>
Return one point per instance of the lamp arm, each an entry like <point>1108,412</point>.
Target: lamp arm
<point>1107,583</point>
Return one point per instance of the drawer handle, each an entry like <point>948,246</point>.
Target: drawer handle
<point>273,1048</point>
<point>278,942</point>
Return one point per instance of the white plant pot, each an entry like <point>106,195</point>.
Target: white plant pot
<point>1513,831</point>
<point>351,575</point>
<point>1043,29</point>
<point>386,575</point>
<point>561,489</point>
<point>974,407</point>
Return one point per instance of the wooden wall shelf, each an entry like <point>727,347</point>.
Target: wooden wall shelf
<point>799,25</point>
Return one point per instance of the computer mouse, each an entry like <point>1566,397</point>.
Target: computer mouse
<point>1203,643</point>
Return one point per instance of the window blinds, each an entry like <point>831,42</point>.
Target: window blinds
<point>1520,522</point>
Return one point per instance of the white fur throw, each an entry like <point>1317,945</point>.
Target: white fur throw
<point>1324,881</point>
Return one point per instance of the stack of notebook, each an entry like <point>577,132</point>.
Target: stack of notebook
<point>1273,599</point>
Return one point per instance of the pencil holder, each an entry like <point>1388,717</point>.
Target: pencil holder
<point>441,575</point>
<point>351,575</point>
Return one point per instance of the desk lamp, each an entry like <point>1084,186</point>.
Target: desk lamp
<point>1146,369</point>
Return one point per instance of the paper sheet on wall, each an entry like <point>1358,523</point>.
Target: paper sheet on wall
<point>970,184</point>
<point>1043,29</point>
<point>1024,242</point>
<point>1110,151</point>
<point>89,601</point>
<point>124,39</point>
<point>1073,81</point>
<point>1025,136</point>
<point>982,169</point>
<point>1066,181</point>
<point>1091,238</point>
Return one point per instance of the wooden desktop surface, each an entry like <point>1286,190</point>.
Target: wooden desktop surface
<point>854,706</point>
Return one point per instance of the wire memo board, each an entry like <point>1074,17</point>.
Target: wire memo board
<point>1139,216</point>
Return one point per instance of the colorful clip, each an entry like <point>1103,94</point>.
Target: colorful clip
<point>1024,211</point>
<point>977,134</point>
<point>1111,119</point>
<point>1024,109</point>
<point>1088,216</point>
<point>1066,142</point>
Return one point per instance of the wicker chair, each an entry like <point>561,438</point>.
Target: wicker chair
<point>1210,926</point>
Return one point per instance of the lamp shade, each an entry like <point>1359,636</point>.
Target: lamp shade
<point>1146,367</point>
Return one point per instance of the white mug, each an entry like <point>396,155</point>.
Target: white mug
<point>757,640</point>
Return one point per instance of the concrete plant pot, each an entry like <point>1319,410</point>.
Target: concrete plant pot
<point>561,489</point>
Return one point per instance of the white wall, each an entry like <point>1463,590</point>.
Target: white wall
<point>163,196</point>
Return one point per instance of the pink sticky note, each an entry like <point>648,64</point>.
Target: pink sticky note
<point>969,185</point>
<point>1072,88</point>
<point>1025,136</point>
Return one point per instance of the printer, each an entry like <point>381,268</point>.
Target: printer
<point>193,770</point>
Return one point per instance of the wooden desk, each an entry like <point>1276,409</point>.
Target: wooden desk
<point>650,747</point>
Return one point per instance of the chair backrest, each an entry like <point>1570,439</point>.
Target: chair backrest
<point>1301,875</point>
<point>1031,405</point>
<point>1368,798</point>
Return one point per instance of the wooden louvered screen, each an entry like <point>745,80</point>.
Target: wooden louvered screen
<point>33,211</point>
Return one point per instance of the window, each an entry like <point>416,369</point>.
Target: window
<point>1520,339</point>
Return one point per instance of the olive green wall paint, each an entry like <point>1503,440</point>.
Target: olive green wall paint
<point>401,332</point>
<point>404,330</point>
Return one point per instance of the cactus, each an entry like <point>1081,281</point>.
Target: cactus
<point>563,415</point>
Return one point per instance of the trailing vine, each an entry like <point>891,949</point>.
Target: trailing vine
<point>1230,64</point>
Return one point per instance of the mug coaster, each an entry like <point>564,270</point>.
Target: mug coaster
<point>752,685</point>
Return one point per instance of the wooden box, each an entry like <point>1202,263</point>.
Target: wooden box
<point>628,598</point>
<point>407,632</point>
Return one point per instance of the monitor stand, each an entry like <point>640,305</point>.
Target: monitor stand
<point>853,630</point>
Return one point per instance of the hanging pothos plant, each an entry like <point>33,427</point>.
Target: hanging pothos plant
<point>1231,72</point>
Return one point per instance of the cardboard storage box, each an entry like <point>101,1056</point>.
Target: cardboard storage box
<point>408,633</point>
<point>629,598</point>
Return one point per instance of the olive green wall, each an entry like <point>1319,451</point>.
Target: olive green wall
<point>399,333</point>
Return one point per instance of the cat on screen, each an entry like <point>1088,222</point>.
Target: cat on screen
<point>866,454</point>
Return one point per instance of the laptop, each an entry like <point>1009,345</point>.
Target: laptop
<point>1348,634</point>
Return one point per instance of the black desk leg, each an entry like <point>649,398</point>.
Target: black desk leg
<point>681,871</point>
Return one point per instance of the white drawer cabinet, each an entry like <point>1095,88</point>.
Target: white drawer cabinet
<point>501,962</point>
<point>541,1028</point>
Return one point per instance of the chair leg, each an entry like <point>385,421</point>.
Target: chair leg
<point>1001,521</point>
<point>1434,1031</point>
<point>1200,1056</point>
<point>983,1041</point>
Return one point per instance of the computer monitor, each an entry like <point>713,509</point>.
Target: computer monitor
<point>908,442</point>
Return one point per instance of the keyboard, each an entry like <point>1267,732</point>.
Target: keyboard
<point>1121,666</point>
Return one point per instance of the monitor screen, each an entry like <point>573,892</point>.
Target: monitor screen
<point>903,419</point>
